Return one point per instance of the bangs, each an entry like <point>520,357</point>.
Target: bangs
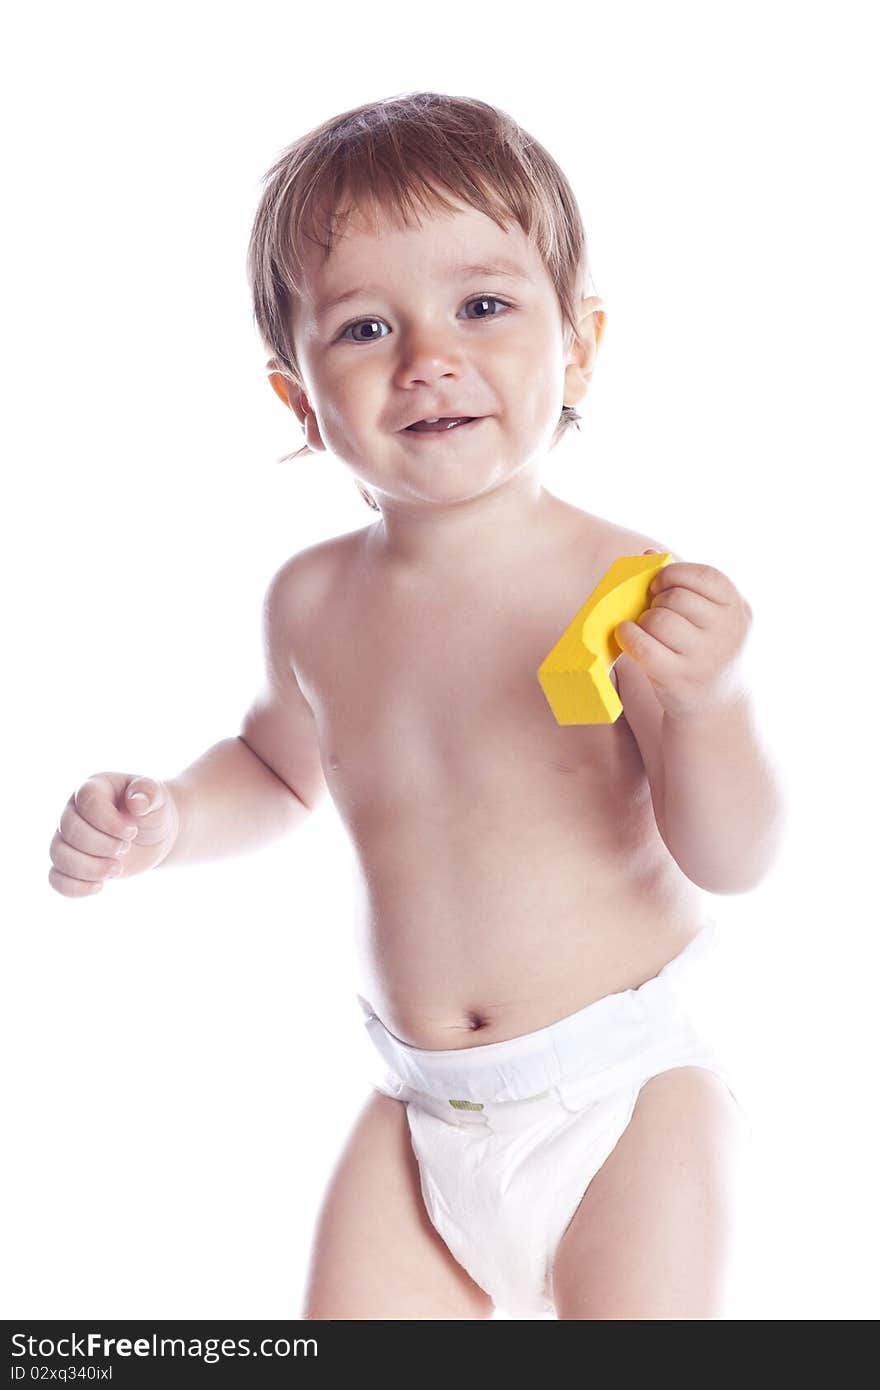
<point>401,185</point>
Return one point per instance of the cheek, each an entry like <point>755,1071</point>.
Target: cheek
<point>534,375</point>
<point>359,390</point>
<point>534,356</point>
<point>349,397</point>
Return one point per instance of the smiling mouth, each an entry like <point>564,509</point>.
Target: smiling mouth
<point>442,426</point>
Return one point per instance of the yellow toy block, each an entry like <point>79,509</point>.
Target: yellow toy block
<point>574,676</point>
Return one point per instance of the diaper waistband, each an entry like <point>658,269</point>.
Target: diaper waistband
<point>611,1030</point>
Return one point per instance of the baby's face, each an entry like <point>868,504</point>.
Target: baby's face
<point>419,335</point>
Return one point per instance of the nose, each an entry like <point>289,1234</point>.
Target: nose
<point>427,357</point>
<point>425,377</point>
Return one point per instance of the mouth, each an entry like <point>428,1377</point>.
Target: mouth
<point>443,427</point>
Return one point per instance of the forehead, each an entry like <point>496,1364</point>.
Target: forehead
<point>373,244</point>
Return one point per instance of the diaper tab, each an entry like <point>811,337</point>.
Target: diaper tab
<point>466,1104</point>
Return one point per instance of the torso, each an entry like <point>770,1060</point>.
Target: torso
<point>512,868</point>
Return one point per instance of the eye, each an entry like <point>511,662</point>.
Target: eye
<point>373,323</point>
<point>361,323</point>
<point>487,299</point>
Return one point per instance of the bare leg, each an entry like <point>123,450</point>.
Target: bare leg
<point>651,1238</point>
<point>376,1254</point>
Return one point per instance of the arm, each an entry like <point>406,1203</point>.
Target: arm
<point>247,791</point>
<point>722,811</point>
<point>717,802</point>
<point>229,802</point>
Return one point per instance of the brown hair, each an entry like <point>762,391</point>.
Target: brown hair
<point>393,154</point>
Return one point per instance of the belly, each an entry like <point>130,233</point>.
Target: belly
<point>479,928</point>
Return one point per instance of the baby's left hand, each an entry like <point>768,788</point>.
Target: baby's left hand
<point>690,641</point>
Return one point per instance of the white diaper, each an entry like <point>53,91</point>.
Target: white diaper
<point>509,1135</point>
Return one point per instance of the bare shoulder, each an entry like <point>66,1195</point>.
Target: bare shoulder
<point>604,540</point>
<point>280,725</point>
<point>297,599</point>
<point>320,561</point>
<point>303,584</point>
<point>612,541</point>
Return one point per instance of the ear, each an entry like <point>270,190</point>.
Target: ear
<point>292,396</point>
<point>277,381</point>
<point>583,350</point>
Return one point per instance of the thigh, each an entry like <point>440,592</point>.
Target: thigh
<point>652,1237</point>
<point>375,1253</point>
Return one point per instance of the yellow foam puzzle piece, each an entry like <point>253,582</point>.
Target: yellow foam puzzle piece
<point>574,675</point>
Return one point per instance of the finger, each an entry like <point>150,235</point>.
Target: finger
<point>672,629</point>
<point>646,648</point>
<point>696,608</point>
<point>81,835</point>
<point>702,579</point>
<point>72,887</point>
<point>95,802</point>
<point>90,868</point>
<point>656,550</point>
<point>143,795</point>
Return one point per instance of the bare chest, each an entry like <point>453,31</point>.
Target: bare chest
<point>428,706</point>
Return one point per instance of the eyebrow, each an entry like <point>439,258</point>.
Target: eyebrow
<point>509,270</point>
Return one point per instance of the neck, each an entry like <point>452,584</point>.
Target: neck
<point>438,537</point>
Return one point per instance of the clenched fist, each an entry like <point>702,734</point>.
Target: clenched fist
<point>115,823</point>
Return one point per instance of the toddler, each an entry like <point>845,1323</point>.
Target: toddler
<point>551,1127</point>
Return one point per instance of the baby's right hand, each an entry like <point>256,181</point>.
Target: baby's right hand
<point>114,823</point>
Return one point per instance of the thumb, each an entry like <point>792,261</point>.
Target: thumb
<point>142,795</point>
<point>626,634</point>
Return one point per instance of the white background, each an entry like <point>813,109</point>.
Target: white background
<point>183,1052</point>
